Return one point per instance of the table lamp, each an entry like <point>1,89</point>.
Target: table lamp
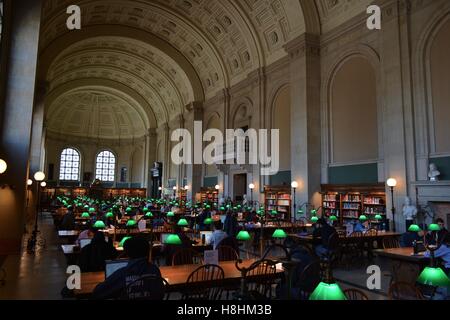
<point>85,215</point>
<point>279,234</point>
<point>243,236</point>
<point>173,239</point>
<point>99,225</point>
<point>183,223</point>
<point>170,214</point>
<point>131,223</point>
<point>414,228</point>
<point>125,239</point>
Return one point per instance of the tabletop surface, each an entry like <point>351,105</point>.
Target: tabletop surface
<point>379,235</point>
<point>402,253</point>
<point>174,275</point>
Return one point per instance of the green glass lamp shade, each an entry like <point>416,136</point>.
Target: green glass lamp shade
<point>363,218</point>
<point>85,215</point>
<point>110,215</point>
<point>183,223</point>
<point>145,210</point>
<point>222,208</point>
<point>313,212</point>
<point>378,217</point>
<point>173,239</point>
<point>243,236</point>
<point>228,206</point>
<point>170,214</point>
<point>314,219</point>
<point>149,215</point>
<point>208,221</point>
<point>279,234</point>
<point>414,228</point>
<point>234,208</point>
<point>325,291</point>
<point>333,218</point>
<point>239,206</point>
<point>434,227</point>
<point>131,224</point>
<point>123,241</point>
<point>99,225</point>
<point>274,212</point>
<point>128,210</point>
<point>208,206</point>
<point>434,277</point>
<point>86,207</point>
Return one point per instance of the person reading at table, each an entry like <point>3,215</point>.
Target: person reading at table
<point>68,222</point>
<point>443,252</point>
<point>137,250</point>
<point>86,234</point>
<point>218,234</point>
<point>93,256</point>
<point>324,232</point>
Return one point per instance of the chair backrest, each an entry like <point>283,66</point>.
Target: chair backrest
<point>309,278</point>
<point>355,294</point>
<point>356,234</point>
<point>391,243</point>
<point>404,291</point>
<point>186,256</point>
<point>227,253</point>
<point>229,242</point>
<point>259,278</point>
<point>202,283</point>
<point>148,287</point>
<point>371,232</point>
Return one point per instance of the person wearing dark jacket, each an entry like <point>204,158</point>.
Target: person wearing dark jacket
<point>68,221</point>
<point>231,224</point>
<point>93,256</point>
<point>324,232</point>
<point>137,249</point>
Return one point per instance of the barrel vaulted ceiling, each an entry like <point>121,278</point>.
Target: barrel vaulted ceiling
<point>169,53</point>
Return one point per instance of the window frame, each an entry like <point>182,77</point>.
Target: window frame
<point>71,161</point>
<point>100,176</point>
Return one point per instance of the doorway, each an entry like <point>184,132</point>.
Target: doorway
<point>239,186</point>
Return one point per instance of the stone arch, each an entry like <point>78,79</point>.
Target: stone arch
<point>368,60</point>
<point>242,113</point>
<point>280,119</point>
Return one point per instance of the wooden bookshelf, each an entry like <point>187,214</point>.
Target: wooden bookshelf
<point>278,198</point>
<point>210,195</point>
<point>349,202</point>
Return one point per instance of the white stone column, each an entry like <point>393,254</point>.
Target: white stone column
<point>304,53</point>
<point>17,118</point>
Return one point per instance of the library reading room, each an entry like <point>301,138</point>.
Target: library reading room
<point>225,150</point>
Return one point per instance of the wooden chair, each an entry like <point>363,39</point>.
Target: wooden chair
<point>353,251</point>
<point>404,291</point>
<point>202,283</point>
<point>227,253</point>
<point>391,243</point>
<point>186,256</point>
<point>308,279</point>
<point>355,294</point>
<point>259,278</point>
<point>149,287</point>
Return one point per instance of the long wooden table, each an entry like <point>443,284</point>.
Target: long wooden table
<point>406,266</point>
<point>176,276</point>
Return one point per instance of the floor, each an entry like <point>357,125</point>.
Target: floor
<point>42,275</point>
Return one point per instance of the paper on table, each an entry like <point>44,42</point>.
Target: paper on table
<point>211,257</point>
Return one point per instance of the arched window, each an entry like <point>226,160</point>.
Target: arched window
<point>69,166</point>
<point>105,166</point>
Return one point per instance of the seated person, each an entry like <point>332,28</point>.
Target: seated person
<point>218,234</point>
<point>137,250</point>
<point>436,237</point>
<point>86,234</point>
<point>443,252</point>
<point>325,231</point>
<point>407,239</point>
<point>361,226</point>
<point>170,249</point>
<point>93,256</point>
<point>68,221</point>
